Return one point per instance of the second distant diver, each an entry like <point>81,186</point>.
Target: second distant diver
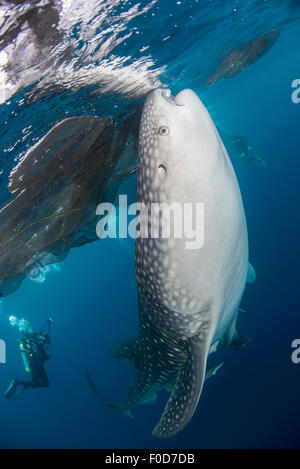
<point>34,349</point>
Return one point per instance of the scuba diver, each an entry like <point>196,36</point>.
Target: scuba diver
<point>244,150</point>
<point>34,348</point>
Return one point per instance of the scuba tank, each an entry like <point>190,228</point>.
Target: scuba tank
<point>25,360</point>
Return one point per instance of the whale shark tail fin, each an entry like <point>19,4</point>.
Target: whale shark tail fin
<point>96,392</point>
<point>102,399</point>
<point>186,392</point>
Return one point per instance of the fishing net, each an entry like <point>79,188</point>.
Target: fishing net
<point>56,188</point>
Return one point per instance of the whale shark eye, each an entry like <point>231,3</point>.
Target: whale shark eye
<point>164,130</point>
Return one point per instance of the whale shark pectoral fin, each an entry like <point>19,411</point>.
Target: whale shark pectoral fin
<point>251,274</point>
<point>186,392</point>
<point>231,332</point>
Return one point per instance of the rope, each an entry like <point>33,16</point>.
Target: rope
<point>2,245</point>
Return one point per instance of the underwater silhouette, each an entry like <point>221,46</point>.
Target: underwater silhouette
<point>243,56</point>
<point>34,348</point>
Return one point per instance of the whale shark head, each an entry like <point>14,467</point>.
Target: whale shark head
<point>178,143</point>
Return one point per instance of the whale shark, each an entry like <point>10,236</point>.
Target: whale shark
<point>188,298</point>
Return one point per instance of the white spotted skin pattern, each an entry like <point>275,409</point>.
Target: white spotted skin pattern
<point>155,357</point>
<point>187,298</point>
<point>155,268</point>
<point>168,275</point>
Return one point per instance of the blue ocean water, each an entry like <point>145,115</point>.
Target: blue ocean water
<point>252,402</point>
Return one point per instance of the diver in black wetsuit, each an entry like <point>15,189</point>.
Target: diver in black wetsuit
<point>34,350</point>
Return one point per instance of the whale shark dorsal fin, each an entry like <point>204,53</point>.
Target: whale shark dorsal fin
<point>231,331</point>
<point>251,274</point>
<point>186,392</point>
<point>125,350</point>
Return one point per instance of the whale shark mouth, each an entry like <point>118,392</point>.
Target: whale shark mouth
<point>168,96</point>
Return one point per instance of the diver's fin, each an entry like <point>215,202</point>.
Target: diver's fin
<point>11,389</point>
<point>185,395</point>
<point>231,331</point>
<point>251,274</point>
<point>104,401</point>
<point>264,163</point>
<point>20,392</point>
<point>125,350</point>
